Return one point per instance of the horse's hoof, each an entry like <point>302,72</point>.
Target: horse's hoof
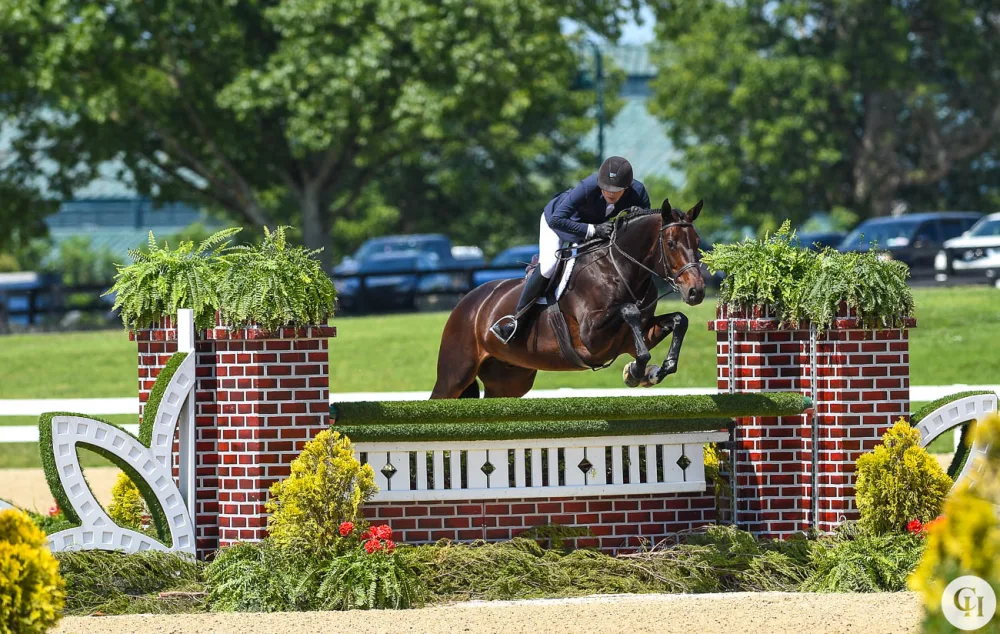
<point>630,381</point>
<point>652,378</point>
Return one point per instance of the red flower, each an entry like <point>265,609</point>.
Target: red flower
<point>54,510</point>
<point>366,535</point>
<point>346,528</point>
<point>915,527</point>
<point>373,545</point>
<point>390,545</point>
<point>383,531</point>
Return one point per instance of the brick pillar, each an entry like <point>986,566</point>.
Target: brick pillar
<point>259,398</point>
<point>862,386</point>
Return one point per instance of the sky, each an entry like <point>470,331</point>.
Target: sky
<point>635,34</point>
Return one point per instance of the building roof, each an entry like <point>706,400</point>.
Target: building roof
<point>642,139</point>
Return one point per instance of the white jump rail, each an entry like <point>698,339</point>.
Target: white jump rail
<point>506,469</point>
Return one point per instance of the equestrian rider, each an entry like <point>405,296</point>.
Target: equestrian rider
<point>574,216</point>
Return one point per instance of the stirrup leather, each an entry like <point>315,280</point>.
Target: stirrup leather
<point>493,328</point>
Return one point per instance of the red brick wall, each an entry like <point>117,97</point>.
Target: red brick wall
<point>862,387</point>
<point>615,523</point>
<point>259,398</point>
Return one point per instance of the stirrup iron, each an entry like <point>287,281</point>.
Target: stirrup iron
<point>496,334</point>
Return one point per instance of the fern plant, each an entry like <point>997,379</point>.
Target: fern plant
<point>875,288</point>
<point>797,284</point>
<point>272,284</point>
<point>769,272</point>
<point>162,280</point>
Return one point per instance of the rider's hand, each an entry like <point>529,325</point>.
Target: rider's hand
<point>603,230</point>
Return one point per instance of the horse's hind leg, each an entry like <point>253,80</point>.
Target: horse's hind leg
<point>457,366</point>
<point>501,379</point>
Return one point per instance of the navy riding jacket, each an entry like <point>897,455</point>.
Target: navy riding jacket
<point>569,212</point>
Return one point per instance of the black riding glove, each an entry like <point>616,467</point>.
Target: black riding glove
<point>603,230</point>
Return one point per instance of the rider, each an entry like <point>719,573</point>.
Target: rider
<point>573,216</point>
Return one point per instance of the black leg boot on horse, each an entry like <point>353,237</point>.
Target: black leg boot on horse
<point>506,326</point>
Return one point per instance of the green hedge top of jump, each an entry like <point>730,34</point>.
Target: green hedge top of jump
<point>569,409</point>
<point>517,430</point>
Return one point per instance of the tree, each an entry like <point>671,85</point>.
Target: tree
<point>784,108</point>
<point>296,110</point>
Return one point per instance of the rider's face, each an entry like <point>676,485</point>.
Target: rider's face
<point>612,197</point>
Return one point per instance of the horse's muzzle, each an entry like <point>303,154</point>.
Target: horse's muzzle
<point>694,296</point>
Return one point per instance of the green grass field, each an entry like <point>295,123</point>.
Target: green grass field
<point>954,342</point>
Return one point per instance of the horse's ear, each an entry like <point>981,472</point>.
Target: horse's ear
<point>693,213</point>
<point>665,207</point>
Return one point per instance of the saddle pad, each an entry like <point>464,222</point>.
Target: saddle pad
<point>564,274</point>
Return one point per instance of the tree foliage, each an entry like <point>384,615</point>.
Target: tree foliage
<point>784,108</point>
<point>299,111</point>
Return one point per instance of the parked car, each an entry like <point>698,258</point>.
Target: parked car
<point>973,257</point>
<point>394,280</point>
<point>508,264</point>
<point>818,240</point>
<point>468,256</point>
<point>914,239</point>
<point>434,243</point>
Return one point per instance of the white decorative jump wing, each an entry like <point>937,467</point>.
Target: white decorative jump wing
<point>151,465</point>
<point>951,415</point>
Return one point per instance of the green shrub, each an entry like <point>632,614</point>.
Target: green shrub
<point>259,578</point>
<point>327,487</point>
<point>127,507</point>
<point>119,583</point>
<point>31,590</point>
<point>861,561</point>
<point>744,563</point>
<point>272,284</point>
<point>899,482</point>
<point>361,580</point>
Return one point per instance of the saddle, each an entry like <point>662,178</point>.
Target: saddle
<point>553,314</point>
<point>558,283</point>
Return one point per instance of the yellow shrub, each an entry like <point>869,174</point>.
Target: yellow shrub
<point>967,540</point>
<point>127,506</point>
<point>899,482</point>
<point>327,486</point>
<point>31,590</point>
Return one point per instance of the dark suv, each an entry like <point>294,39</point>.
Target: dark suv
<point>914,239</point>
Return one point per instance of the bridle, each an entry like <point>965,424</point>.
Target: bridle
<point>669,277</point>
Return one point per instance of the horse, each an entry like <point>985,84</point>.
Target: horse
<point>609,307</point>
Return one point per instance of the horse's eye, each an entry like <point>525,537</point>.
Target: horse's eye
<point>671,244</point>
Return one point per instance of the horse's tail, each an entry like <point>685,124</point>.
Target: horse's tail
<point>472,391</point>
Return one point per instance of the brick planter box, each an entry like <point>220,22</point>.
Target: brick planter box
<point>859,379</point>
<point>260,396</point>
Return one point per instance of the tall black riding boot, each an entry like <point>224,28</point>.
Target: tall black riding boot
<point>535,285</point>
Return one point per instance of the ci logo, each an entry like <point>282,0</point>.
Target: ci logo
<point>968,603</point>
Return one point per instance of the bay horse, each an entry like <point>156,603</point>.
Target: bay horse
<point>609,307</point>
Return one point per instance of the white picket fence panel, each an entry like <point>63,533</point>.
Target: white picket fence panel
<point>505,469</point>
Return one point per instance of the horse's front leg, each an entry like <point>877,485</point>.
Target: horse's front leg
<point>663,325</point>
<point>635,373</point>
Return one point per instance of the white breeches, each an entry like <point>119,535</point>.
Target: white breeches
<point>548,243</point>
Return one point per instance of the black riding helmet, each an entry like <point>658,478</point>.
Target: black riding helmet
<point>615,174</point>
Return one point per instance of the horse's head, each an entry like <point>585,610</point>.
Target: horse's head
<point>680,258</point>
